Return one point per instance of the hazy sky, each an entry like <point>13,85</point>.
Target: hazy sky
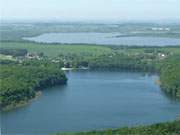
<point>90,9</point>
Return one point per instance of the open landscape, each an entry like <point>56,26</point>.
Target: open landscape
<point>115,76</point>
<point>89,77</point>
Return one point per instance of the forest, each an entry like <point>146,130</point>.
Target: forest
<point>170,76</point>
<point>13,52</point>
<point>20,82</point>
<point>125,62</point>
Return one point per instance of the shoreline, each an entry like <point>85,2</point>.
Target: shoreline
<point>21,103</point>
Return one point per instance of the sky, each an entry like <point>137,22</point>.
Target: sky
<point>76,10</point>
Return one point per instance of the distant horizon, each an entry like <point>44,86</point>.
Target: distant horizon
<point>91,10</point>
<point>162,21</point>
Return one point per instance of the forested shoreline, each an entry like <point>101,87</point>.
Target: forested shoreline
<point>168,69</point>
<point>170,76</point>
<point>20,82</point>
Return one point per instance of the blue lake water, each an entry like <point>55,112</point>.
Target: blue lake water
<point>93,100</point>
<point>104,38</point>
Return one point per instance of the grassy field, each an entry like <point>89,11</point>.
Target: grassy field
<point>53,50</point>
<point>6,57</point>
<point>174,50</point>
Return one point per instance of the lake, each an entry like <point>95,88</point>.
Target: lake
<point>93,100</point>
<point>104,39</point>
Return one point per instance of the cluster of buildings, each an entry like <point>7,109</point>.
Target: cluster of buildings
<point>160,29</point>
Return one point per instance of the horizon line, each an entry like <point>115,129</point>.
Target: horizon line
<point>90,21</point>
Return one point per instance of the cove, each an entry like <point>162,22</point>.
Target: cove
<point>103,39</point>
<point>93,100</point>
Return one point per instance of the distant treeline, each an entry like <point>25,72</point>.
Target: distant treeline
<point>6,62</point>
<point>125,62</point>
<point>13,52</point>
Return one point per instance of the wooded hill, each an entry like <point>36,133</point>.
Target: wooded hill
<point>20,82</point>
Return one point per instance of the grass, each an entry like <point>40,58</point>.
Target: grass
<point>6,57</point>
<point>174,50</point>
<point>53,50</point>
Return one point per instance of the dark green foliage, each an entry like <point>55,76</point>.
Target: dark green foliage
<point>168,128</point>
<point>20,82</point>
<point>5,62</point>
<point>170,76</point>
<point>124,62</point>
<point>13,52</point>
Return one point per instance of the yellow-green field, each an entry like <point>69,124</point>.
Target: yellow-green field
<point>53,50</point>
<point>6,57</point>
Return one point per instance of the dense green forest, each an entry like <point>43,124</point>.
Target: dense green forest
<point>168,128</point>
<point>125,62</point>
<point>20,82</point>
<point>170,76</point>
<point>13,52</point>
